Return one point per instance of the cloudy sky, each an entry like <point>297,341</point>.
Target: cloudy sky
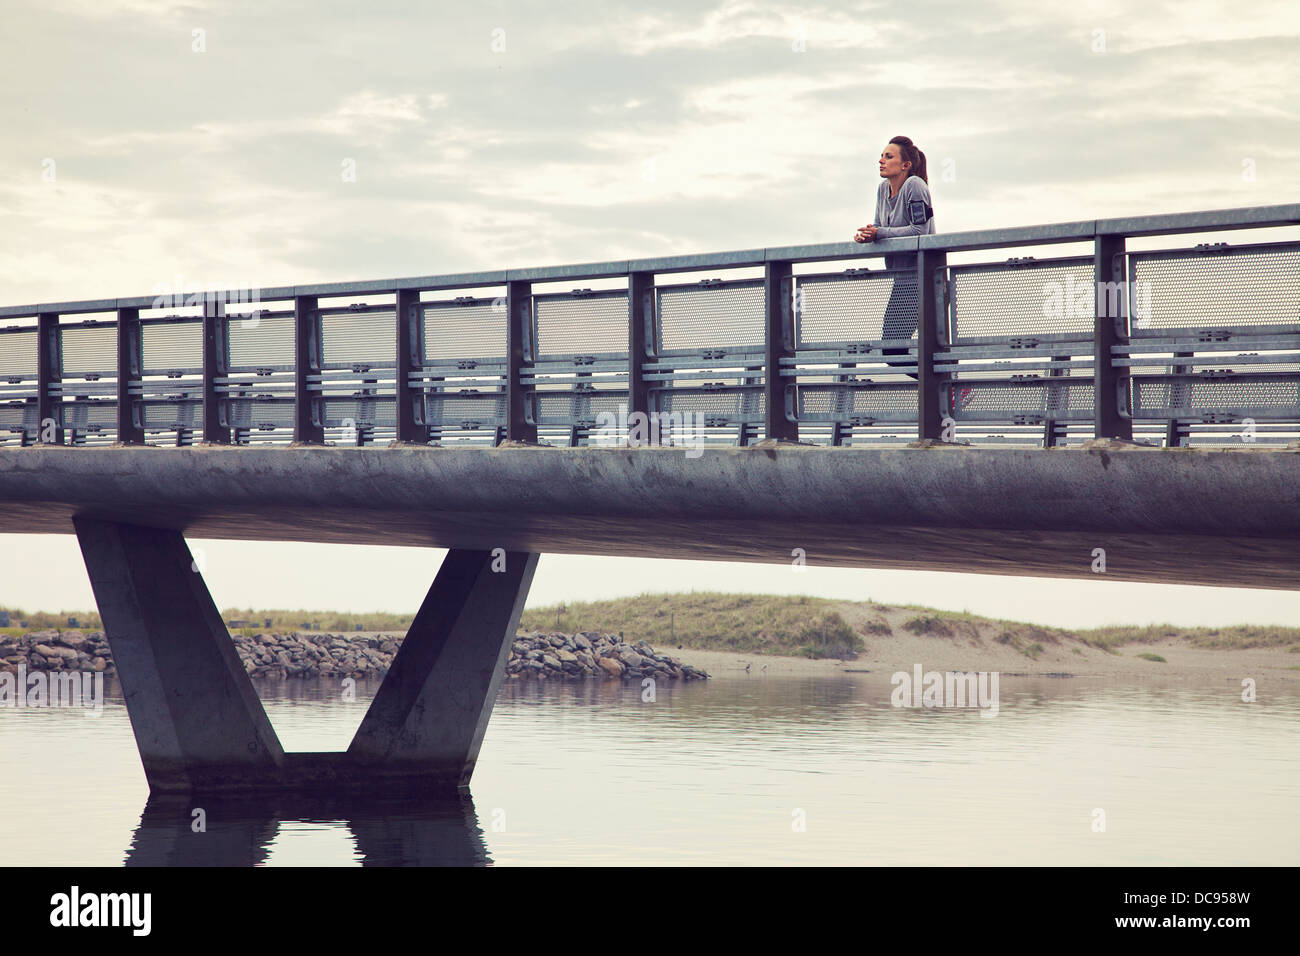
<point>276,143</point>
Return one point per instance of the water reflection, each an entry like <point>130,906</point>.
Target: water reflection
<point>241,832</point>
<point>713,771</point>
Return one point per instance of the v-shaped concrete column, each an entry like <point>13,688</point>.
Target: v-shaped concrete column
<point>199,723</point>
<point>433,707</point>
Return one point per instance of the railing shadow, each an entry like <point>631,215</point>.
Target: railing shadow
<point>240,831</point>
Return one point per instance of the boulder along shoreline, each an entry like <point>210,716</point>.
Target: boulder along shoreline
<point>533,655</point>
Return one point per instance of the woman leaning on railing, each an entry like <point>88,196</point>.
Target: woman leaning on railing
<point>902,209</point>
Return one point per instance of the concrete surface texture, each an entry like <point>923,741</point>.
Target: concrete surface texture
<point>1223,516</point>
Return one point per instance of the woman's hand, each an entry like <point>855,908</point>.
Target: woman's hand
<point>865,234</point>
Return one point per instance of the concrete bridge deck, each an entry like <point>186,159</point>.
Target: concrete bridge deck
<point>1224,517</point>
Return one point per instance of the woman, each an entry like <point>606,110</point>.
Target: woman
<point>902,209</point>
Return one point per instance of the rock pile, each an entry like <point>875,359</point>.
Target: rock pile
<point>585,654</point>
<point>56,651</point>
<point>303,654</point>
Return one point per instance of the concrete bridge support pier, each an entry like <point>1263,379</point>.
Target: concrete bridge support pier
<point>199,724</point>
<point>431,711</point>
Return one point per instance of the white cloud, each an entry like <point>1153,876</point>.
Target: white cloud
<point>1131,28</point>
<point>792,29</point>
<point>144,9</point>
<point>369,112</point>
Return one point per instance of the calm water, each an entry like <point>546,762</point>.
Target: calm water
<point>718,772</point>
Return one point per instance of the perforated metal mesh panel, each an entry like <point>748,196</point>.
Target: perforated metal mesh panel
<point>268,343</point>
<point>168,389</point>
<point>1261,366</point>
<point>732,406</point>
<point>361,410</point>
<point>452,410</point>
<point>88,349</point>
<point>702,317</point>
<point>1199,289</point>
<point>171,415</point>
<point>1159,397</point>
<point>1059,397</point>
<point>18,416</point>
<point>834,402</point>
<point>581,324</point>
<point>566,408</point>
<point>1048,299</point>
<point>90,416</point>
<point>363,338</point>
<point>879,305</point>
<point>366,399</point>
<point>172,345</point>
<point>463,331</point>
<point>18,352</point>
<point>255,413</point>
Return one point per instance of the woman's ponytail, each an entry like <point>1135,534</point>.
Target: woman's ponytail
<point>913,155</point>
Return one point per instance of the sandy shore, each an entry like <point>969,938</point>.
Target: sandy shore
<point>971,647</point>
<point>974,648</point>
<point>1184,664</point>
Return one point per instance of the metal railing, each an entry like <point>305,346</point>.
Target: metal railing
<point>1192,345</point>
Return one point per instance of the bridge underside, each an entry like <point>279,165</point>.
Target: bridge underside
<point>1222,518</point>
<point>1165,558</point>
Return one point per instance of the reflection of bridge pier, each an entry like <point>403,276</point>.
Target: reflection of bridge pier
<point>199,723</point>
<point>240,831</point>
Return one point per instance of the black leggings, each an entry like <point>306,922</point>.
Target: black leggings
<point>900,315</point>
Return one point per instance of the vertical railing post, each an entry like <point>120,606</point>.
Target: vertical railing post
<point>49,368</point>
<point>841,430</point>
<point>1176,432</point>
<point>640,326</point>
<point>1110,383</point>
<point>308,410</point>
<point>931,326</point>
<point>411,425</point>
<point>216,426</point>
<point>778,280</point>
<point>130,355</point>
<point>1054,431</point>
<point>519,352</point>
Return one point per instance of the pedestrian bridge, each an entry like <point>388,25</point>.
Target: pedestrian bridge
<point>1127,408</point>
